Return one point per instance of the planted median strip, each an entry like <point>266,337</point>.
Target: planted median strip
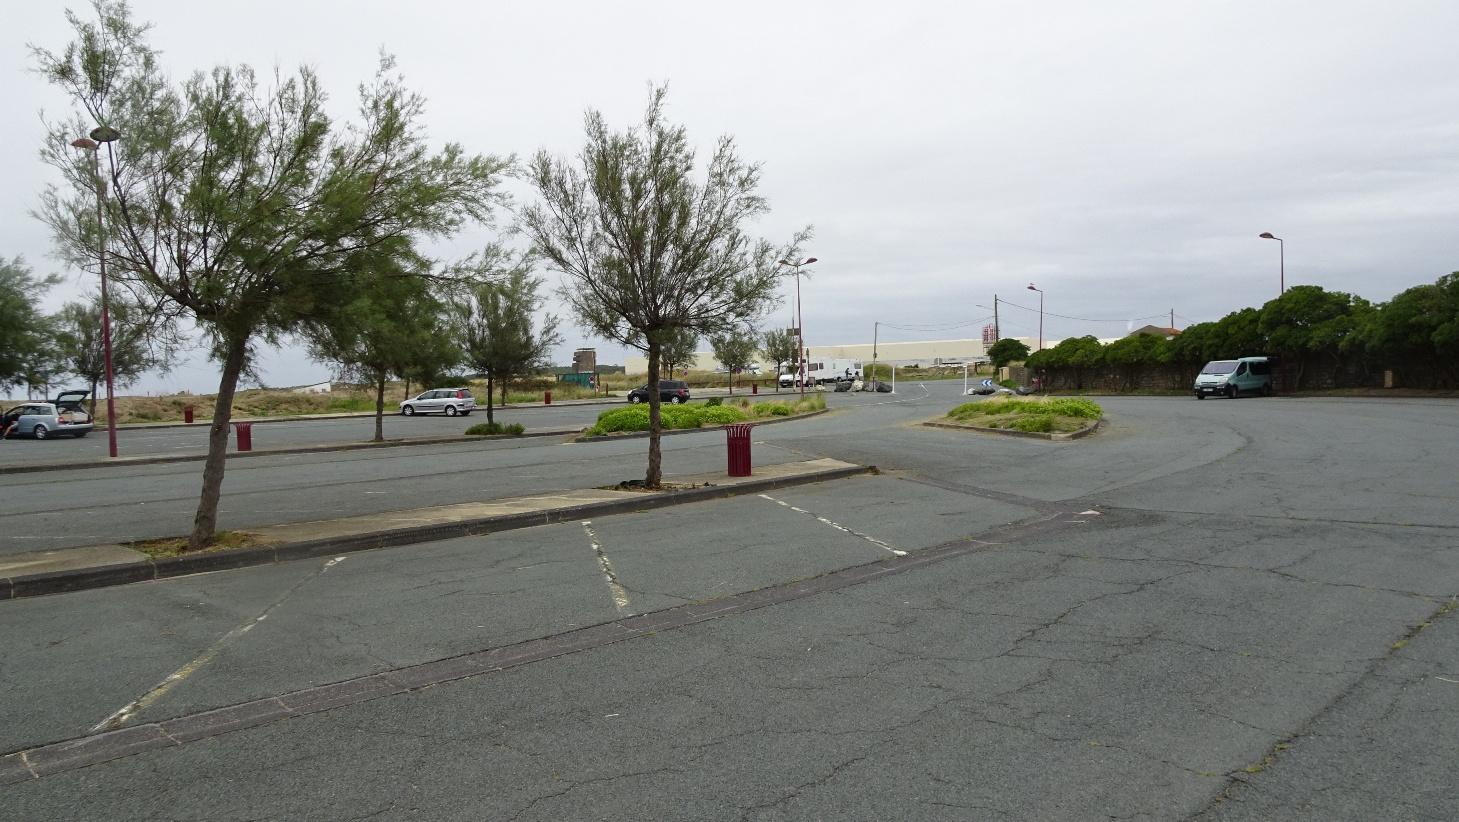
<point>1042,417</point>
<point>633,420</point>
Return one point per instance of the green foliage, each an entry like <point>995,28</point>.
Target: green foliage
<point>713,402</point>
<point>779,346</point>
<point>487,429</point>
<point>495,321</point>
<point>648,252</point>
<point>243,207</point>
<point>1059,406</point>
<point>735,348</point>
<point>1040,423</point>
<point>721,415</point>
<point>1007,350</point>
<point>635,417</point>
<point>24,333</point>
<point>80,343</point>
<point>678,351</point>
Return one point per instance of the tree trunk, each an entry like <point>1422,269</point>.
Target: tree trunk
<point>205,522</point>
<point>380,407</point>
<point>489,398</point>
<point>654,477</point>
<point>93,401</point>
<point>504,392</point>
<point>407,389</point>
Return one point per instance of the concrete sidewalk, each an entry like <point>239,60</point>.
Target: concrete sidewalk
<point>72,569</point>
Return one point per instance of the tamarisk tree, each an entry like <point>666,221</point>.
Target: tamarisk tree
<point>645,249</point>
<point>240,206</point>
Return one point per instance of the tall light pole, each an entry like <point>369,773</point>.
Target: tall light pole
<point>1032,287</point>
<point>1282,252</point>
<point>799,321</point>
<point>107,135</point>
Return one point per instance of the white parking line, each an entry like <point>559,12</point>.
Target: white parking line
<point>620,594</point>
<point>160,690</point>
<point>838,526</point>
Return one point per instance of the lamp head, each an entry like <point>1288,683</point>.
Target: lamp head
<point>83,142</point>
<point>105,134</point>
<point>1267,235</point>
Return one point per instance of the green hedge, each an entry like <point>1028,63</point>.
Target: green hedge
<point>487,429</point>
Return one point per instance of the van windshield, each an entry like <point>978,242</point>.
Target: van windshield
<point>1219,367</point>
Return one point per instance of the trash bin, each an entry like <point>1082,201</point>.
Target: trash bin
<point>187,414</point>
<point>738,438</point>
<point>546,397</point>
<point>244,430</point>
<point>754,388</point>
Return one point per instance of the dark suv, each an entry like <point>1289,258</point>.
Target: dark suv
<point>675,391</point>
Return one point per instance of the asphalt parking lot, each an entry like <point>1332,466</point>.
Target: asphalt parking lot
<point>1223,610</point>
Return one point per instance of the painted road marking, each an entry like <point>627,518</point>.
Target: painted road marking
<point>620,594</point>
<point>838,526</point>
<point>160,690</point>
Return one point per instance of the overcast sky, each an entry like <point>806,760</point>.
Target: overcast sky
<point>1121,155</point>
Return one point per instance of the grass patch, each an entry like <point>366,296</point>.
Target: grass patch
<point>177,546</point>
<point>489,429</point>
<point>635,417</point>
<point>1053,415</point>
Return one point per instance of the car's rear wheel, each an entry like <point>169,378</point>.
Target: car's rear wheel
<point>40,432</point>
<point>633,398</point>
<point>1266,390</point>
<point>408,410</point>
<point>676,400</point>
<point>451,411</point>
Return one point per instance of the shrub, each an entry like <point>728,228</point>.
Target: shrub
<point>722,415</point>
<point>487,429</point>
<point>762,409</point>
<point>632,418</point>
<point>1039,423</point>
<point>713,402</point>
<point>780,410</point>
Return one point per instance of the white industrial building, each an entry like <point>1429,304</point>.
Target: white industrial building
<point>925,353</point>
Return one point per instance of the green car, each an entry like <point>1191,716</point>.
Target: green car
<point>1232,378</point>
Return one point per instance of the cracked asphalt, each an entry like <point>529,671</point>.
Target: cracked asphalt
<point>1257,621</point>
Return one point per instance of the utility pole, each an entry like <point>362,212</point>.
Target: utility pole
<point>1172,318</point>
<point>875,327</point>
<point>996,335</point>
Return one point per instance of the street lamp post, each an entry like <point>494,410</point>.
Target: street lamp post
<point>1032,287</point>
<point>1282,256</point>
<point>107,135</point>
<point>799,322</point>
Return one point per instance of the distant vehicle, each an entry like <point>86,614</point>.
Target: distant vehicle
<point>448,401</point>
<point>44,420</point>
<point>1232,378</point>
<point>673,391</point>
<point>819,372</point>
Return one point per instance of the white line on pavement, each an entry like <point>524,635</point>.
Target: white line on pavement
<point>620,594</point>
<point>839,527</point>
<point>160,690</point>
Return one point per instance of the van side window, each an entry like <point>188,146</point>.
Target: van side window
<point>1261,369</point>
<point>1241,369</point>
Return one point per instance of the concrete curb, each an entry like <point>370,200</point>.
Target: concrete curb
<point>638,435</point>
<point>273,452</point>
<point>1034,435</point>
<point>58,582</point>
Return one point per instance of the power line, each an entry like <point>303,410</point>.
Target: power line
<point>1081,319</point>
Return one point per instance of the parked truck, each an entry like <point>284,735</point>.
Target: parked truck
<point>819,372</point>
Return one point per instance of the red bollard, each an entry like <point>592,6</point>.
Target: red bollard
<point>754,388</point>
<point>244,430</point>
<point>187,414</point>
<point>546,397</point>
<point>738,439</point>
